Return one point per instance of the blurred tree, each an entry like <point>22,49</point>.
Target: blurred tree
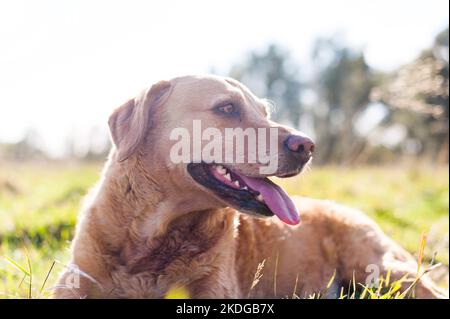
<point>418,94</point>
<point>93,145</point>
<point>28,148</point>
<point>440,46</point>
<point>343,83</point>
<point>272,74</point>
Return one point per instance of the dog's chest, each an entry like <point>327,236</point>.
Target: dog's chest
<point>154,273</point>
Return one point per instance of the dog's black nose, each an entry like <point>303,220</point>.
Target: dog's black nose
<point>300,144</point>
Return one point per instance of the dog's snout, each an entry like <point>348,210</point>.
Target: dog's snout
<point>301,145</point>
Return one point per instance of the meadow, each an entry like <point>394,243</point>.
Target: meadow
<point>39,205</point>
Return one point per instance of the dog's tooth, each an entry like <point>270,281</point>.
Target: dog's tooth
<point>237,183</point>
<point>245,188</point>
<point>260,198</point>
<point>228,176</point>
<point>221,169</point>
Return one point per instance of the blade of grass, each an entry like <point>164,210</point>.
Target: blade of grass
<point>257,277</point>
<point>275,277</point>
<point>342,295</point>
<point>31,274</point>
<point>388,277</point>
<point>423,239</point>
<point>46,277</point>
<point>330,282</point>
<point>21,282</point>
<point>353,295</point>
<point>363,294</point>
<point>17,266</point>
<point>294,294</point>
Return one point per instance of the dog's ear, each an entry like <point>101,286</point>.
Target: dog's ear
<point>129,123</point>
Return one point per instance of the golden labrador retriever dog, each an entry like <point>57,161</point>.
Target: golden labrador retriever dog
<point>151,224</point>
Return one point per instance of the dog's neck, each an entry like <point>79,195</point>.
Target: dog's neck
<point>141,221</point>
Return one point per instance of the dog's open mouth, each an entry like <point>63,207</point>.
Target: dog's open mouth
<point>259,196</point>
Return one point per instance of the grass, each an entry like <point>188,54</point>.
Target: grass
<point>38,209</point>
<point>39,204</point>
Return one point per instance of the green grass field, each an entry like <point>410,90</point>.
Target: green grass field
<point>39,205</point>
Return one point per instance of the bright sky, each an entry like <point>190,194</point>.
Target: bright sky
<point>64,65</point>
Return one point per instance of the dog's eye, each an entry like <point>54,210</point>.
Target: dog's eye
<point>228,109</point>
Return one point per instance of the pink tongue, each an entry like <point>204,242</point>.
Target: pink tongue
<point>275,198</point>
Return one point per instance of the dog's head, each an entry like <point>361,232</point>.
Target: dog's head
<point>208,143</point>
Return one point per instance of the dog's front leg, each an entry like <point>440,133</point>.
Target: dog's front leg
<point>215,287</point>
<point>72,286</point>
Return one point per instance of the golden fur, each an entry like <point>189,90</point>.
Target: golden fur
<point>148,227</point>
